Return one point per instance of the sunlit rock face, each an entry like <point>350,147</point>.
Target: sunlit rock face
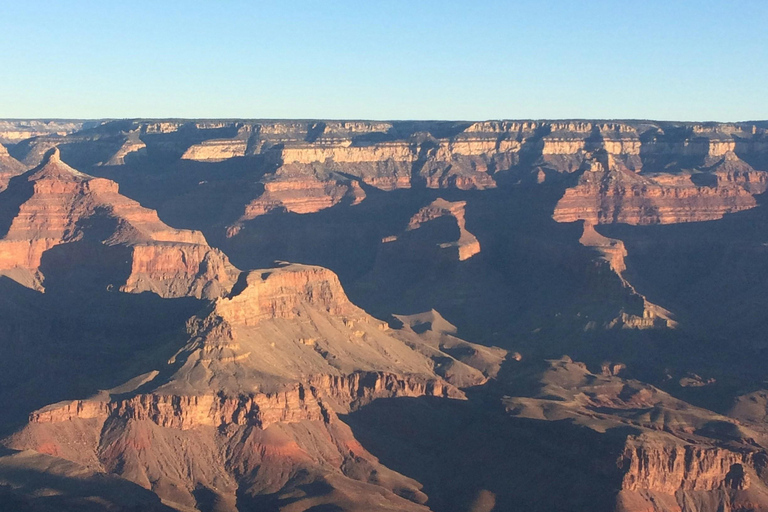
<point>60,205</point>
<point>345,381</point>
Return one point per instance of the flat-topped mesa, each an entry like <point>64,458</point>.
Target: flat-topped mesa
<point>60,205</point>
<point>283,293</point>
<point>608,193</point>
<point>467,245</point>
<point>216,150</point>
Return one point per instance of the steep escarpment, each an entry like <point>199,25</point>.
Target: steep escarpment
<point>674,456</point>
<point>246,405</point>
<point>251,402</point>
<point>608,192</point>
<point>467,245</point>
<point>300,193</point>
<point>9,167</point>
<point>55,204</point>
<point>613,252</point>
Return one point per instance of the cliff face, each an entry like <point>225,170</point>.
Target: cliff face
<point>640,170</point>
<point>675,456</point>
<point>613,252</point>
<point>300,194</point>
<point>607,192</point>
<point>251,401</point>
<point>467,245</point>
<point>9,167</point>
<point>249,408</point>
<point>59,205</point>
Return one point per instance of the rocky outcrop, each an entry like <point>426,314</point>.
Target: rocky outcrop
<point>667,476</point>
<point>60,205</point>
<point>672,456</point>
<point>251,401</point>
<point>282,293</point>
<point>9,167</point>
<point>670,467</point>
<point>613,252</point>
<point>12,131</point>
<point>467,245</point>
<point>300,194</point>
<point>607,192</point>
<point>216,150</point>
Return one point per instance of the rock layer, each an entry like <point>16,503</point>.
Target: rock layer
<point>607,192</point>
<point>467,245</point>
<point>59,205</point>
<point>251,402</point>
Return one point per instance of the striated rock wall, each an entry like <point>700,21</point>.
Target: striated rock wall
<point>179,270</point>
<point>303,195</point>
<point>674,477</point>
<point>669,468</point>
<point>281,293</point>
<point>467,245</point>
<point>607,192</point>
<point>59,205</point>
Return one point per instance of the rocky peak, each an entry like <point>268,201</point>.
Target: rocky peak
<point>59,204</point>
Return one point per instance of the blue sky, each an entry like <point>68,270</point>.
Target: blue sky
<point>385,59</point>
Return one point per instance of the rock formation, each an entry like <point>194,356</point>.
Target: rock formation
<point>270,389</point>
<point>678,457</point>
<point>607,192</point>
<point>59,205</point>
<point>9,167</point>
<point>467,245</point>
<point>251,401</point>
<point>613,252</point>
<point>301,194</point>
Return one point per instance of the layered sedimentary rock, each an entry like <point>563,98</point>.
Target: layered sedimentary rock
<point>613,252</point>
<point>59,205</point>
<point>251,402</point>
<point>250,411</point>
<point>467,245</point>
<point>300,194</point>
<point>608,192</point>
<point>677,457</point>
<point>12,131</point>
<point>216,150</point>
<point>9,167</point>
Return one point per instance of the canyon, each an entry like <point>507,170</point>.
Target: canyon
<point>242,315</point>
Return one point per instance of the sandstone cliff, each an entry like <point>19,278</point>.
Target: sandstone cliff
<point>608,192</point>
<point>676,457</point>
<point>59,205</point>
<point>9,167</point>
<point>251,401</point>
<point>467,245</point>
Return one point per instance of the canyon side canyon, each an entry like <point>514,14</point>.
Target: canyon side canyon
<point>266,315</point>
